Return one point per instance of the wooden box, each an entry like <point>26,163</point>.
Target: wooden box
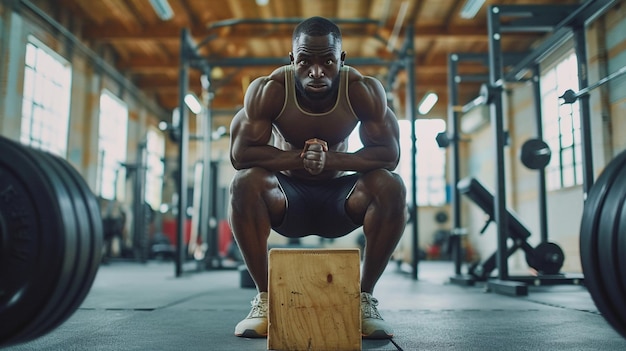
<point>314,299</point>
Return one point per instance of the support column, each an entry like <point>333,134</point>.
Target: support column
<point>503,284</point>
<point>12,57</point>
<point>409,63</point>
<point>543,216</point>
<point>183,151</point>
<point>207,220</point>
<point>497,126</point>
<point>455,198</point>
<point>580,45</point>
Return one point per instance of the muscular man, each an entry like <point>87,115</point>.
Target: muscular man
<point>289,146</point>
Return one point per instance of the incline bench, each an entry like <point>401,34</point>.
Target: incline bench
<point>472,188</point>
<point>475,191</point>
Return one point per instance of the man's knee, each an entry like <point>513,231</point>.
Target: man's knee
<point>380,188</point>
<point>385,183</point>
<point>251,180</point>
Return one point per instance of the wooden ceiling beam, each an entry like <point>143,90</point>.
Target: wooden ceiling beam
<point>437,64</point>
<point>107,33</point>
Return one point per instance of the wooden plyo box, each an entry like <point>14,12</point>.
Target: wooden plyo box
<point>314,299</point>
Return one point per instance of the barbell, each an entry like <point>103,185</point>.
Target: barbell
<point>569,96</point>
<point>50,241</point>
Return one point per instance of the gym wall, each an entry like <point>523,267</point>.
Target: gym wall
<point>88,81</point>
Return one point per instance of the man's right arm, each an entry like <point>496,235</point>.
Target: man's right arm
<point>251,130</point>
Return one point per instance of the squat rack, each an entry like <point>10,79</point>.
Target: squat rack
<point>564,22</point>
<point>454,80</point>
<point>190,58</point>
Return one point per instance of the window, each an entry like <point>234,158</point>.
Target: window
<point>46,102</point>
<point>112,144</point>
<point>155,147</point>
<point>561,124</point>
<point>431,160</point>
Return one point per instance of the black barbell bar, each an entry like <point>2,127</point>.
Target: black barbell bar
<point>570,97</point>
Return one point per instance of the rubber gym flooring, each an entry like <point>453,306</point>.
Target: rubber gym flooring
<point>134,306</point>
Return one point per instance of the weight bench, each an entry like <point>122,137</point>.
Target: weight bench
<point>476,192</point>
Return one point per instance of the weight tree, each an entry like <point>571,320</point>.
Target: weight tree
<point>190,58</point>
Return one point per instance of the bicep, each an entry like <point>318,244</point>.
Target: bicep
<point>252,125</point>
<point>247,132</point>
<point>379,125</point>
<point>380,131</point>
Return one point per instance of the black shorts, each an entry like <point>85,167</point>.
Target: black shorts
<point>316,208</point>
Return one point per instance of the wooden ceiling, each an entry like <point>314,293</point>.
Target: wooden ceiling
<point>146,49</point>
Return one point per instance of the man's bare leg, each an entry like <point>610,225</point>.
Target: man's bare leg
<point>257,201</point>
<point>380,200</point>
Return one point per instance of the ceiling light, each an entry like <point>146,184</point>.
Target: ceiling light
<point>162,9</point>
<point>262,2</point>
<point>193,103</point>
<point>428,102</point>
<point>471,8</point>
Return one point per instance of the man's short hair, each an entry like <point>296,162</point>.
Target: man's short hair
<point>316,26</point>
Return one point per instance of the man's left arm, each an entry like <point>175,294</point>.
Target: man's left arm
<point>379,131</point>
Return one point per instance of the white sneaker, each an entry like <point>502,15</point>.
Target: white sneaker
<point>255,324</point>
<point>372,324</point>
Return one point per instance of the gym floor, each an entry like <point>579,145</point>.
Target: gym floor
<point>134,306</point>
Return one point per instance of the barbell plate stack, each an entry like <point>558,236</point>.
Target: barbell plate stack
<point>608,236</point>
<point>93,231</point>
<point>69,254</point>
<point>82,263</point>
<point>621,245</point>
<point>593,240</point>
<point>51,244</point>
<point>31,218</point>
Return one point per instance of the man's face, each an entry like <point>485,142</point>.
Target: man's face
<point>317,61</point>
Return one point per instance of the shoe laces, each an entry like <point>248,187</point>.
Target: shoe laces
<point>368,306</point>
<point>259,307</point>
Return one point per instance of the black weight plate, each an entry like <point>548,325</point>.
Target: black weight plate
<point>80,247</point>
<point>589,253</point>
<point>90,232</point>
<point>621,251</point>
<point>92,206</point>
<point>68,256</point>
<point>546,258</point>
<point>32,219</point>
<point>441,217</point>
<point>607,245</point>
<point>535,154</point>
